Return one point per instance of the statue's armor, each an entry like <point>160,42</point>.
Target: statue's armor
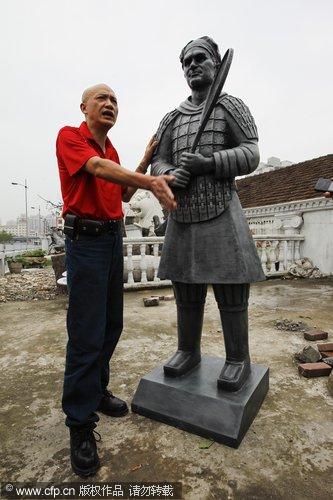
<point>205,197</point>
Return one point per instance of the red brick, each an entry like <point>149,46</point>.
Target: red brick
<point>327,346</point>
<point>327,354</point>
<point>315,335</point>
<point>310,370</point>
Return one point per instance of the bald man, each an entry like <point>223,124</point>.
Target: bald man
<point>93,184</point>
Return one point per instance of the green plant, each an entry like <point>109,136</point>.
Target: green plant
<point>5,237</point>
<point>15,258</point>
<point>34,253</point>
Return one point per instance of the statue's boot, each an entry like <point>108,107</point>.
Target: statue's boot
<point>234,318</point>
<point>190,318</point>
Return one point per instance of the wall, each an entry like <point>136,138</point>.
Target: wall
<point>318,243</point>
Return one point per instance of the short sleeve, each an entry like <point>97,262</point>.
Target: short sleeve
<point>73,151</point>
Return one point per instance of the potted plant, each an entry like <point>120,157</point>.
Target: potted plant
<point>14,264</point>
<point>33,258</point>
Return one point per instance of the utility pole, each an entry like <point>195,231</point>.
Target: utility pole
<point>25,185</point>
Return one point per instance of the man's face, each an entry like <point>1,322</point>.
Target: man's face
<point>199,68</point>
<point>100,107</point>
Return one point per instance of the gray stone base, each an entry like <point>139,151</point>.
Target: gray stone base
<point>193,402</point>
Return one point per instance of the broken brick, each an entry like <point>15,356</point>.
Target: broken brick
<point>326,354</point>
<point>151,301</point>
<point>310,370</point>
<point>329,361</point>
<point>326,346</point>
<point>315,335</point>
<point>167,297</point>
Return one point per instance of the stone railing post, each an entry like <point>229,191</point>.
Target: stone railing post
<point>130,267</point>
<point>143,263</point>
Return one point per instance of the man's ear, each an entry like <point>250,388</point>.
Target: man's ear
<point>83,107</point>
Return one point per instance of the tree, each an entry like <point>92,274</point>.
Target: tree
<point>5,237</point>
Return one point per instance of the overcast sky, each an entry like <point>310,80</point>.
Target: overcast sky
<point>52,49</point>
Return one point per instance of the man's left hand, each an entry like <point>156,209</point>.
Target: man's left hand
<point>197,164</point>
<point>145,162</point>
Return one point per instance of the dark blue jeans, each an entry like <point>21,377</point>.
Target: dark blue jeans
<point>94,321</point>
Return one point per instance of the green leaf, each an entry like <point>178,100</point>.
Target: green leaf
<point>207,443</point>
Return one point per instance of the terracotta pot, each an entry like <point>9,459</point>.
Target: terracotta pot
<point>15,267</point>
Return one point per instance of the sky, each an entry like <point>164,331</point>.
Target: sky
<point>51,50</point>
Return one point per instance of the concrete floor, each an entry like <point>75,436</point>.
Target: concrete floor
<point>287,452</point>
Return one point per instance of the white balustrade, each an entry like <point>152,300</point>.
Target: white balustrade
<point>140,271</point>
<point>278,252</point>
<point>10,250</point>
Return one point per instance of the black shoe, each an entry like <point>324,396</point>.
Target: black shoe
<point>112,406</point>
<point>181,362</point>
<point>234,374</point>
<point>84,456</point>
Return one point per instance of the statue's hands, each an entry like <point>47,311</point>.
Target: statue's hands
<point>197,164</point>
<point>146,160</point>
<point>182,178</point>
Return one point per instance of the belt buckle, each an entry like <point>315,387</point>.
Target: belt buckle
<point>112,224</point>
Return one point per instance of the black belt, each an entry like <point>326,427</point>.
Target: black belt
<point>88,226</point>
<point>74,226</point>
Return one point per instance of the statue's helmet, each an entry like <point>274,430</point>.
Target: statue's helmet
<point>206,43</point>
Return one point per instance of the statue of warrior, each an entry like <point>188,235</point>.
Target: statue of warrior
<point>208,240</point>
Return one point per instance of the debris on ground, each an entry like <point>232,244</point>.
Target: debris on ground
<point>31,284</point>
<point>290,325</point>
<point>330,383</point>
<point>329,360</point>
<point>310,370</point>
<point>167,297</point>
<point>309,354</point>
<point>315,335</point>
<point>304,268</point>
<point>151,301</point>
<point>207,443</point>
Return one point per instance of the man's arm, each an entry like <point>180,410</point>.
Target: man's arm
<point>111,171</point>
<point>142,168</point>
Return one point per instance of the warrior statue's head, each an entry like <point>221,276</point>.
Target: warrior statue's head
<point>199,59</point>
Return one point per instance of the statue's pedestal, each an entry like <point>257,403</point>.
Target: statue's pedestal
<point>195,404</point>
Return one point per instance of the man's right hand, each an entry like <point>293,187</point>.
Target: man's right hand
<point>159,187</point>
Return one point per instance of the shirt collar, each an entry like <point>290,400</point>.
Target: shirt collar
<point>88,135</point>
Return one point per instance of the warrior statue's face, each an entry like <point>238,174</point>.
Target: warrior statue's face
<point>199,68</point>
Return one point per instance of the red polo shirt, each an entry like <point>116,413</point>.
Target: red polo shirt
<point>84,194</point>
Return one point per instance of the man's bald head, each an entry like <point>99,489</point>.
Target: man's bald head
<point>100,107</point>
<point>99,87</point>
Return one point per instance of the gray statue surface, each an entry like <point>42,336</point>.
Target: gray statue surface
<point>208,240</point>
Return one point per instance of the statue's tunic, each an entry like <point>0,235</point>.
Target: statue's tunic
<point>207,239</point>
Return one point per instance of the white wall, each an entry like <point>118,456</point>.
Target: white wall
<point>318,244</point>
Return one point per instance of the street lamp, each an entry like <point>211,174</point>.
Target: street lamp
<point>26,206</point>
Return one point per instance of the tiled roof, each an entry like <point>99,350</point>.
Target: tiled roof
<point>295,182</point>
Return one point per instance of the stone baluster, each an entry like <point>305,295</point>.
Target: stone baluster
<point>130,266</point>
<point>281,256</point>
<point>143,263</point>
<point>263,256</point>
<point>290,253</point>
<point>297,255</point>
<point>273,256</point>
<point>156,261</point>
